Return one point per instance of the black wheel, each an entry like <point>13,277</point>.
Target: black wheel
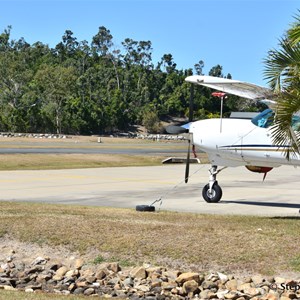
<point>145,208</point>
<point>214,196</point>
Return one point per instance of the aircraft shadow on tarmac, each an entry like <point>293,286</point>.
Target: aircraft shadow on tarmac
<point>260,203</point>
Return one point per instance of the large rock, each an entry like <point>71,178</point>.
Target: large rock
<point>257,279</point>
<point>62,271</point>
<point>78,263</point>
<point>169,285</point>
<point>187,277</point>
<point>138,273</point>
<point>190,287</point>
<point>232,284</point>
<point>115,267</point>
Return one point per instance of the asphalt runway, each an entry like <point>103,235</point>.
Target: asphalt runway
<point>92,150</point>
<point>244,193</point>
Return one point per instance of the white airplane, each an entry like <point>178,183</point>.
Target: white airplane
<point>236,142</point>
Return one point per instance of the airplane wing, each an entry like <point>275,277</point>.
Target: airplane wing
<point>235,87</point>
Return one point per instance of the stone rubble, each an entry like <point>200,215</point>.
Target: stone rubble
<point>45,275</point>
<point>33,135</point>
<point>153,137</point>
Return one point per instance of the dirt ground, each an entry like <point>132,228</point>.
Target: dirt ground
<point>28,252</point>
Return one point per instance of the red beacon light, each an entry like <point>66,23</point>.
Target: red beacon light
<point>219,94</point>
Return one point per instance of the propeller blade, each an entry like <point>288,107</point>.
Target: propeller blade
<point>172,129</point>
<point>187,166</point>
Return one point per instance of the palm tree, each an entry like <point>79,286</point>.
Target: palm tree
<point>283,74</point>
<point>294,32</point>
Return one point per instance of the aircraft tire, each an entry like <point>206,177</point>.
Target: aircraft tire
<point>216,193</point>
<point>150,208</point>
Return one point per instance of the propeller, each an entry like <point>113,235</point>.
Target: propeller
<point>187,166</point>
<point>191,115</point>
<point>173,129</point>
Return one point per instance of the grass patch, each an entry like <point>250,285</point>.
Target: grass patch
<point>13,295</point>
<point>73,161</point>
<point>295,263</point>
<point>178,240</point>
<point>98,260</point>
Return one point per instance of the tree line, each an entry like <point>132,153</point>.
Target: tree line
<point>81,87</point>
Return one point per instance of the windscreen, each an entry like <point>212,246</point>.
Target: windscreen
<point>296,123</point>
<point>265,119</point>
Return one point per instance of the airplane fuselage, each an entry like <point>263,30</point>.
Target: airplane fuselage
<point>238,142</point>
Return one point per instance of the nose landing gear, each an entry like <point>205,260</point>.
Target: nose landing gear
<point>212,192</point>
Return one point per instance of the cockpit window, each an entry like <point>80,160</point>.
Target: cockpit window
<point>296,123</point>
<point>265,119</point>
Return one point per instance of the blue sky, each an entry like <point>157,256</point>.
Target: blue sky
<point>237,34</point>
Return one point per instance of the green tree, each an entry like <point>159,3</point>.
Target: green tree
<point>168,63</point>
<point>282,70</point>
<point>199,67</point>
<point>102,41</point>
<point>15,76</point>
<point>5,44</point>
<point>151,120</point>
<point>55,86</point>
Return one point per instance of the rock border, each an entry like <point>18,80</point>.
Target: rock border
<point>47,275</point>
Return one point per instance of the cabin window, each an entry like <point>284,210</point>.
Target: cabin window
<point>265,119</point>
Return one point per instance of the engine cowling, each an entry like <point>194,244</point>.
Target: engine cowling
<point>258,169</point>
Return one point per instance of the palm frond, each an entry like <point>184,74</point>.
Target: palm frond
<point>294,32</point>
<point>283,135</point>
<point>280,65</point>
